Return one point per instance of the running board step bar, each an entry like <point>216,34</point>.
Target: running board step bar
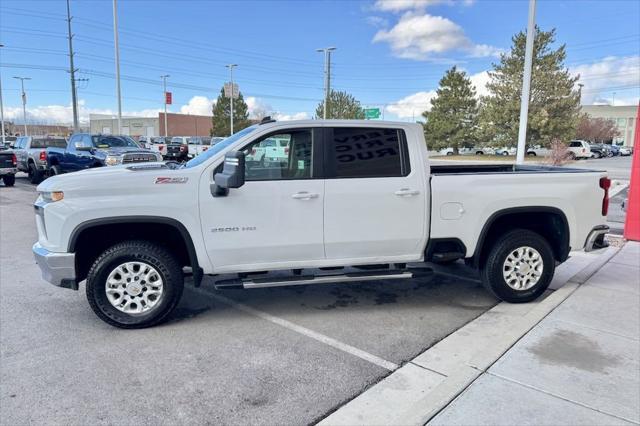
<point>320,279</point>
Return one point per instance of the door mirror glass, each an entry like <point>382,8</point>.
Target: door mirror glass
<point>232,175</point>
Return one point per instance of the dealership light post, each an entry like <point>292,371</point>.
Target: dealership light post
<point>72,72</point>
<point>2,108</point>
<point>327,77</point>
<point>117,57</point>
<point>164,85</point>
<point>230,66</point>
<point>24,102</point>
<point>526,83</point>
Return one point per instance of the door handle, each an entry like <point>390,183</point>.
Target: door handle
<point>304,195</point>
<point>406,192</point>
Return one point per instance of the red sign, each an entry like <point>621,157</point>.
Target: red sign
<point>167,98</point>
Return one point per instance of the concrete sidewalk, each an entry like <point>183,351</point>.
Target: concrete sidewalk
<point>579,365</point>
<point>571,357</point>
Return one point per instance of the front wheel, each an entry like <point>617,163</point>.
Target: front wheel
<point>9,180</point>
<point>519,266</point>
<point>134,284</point>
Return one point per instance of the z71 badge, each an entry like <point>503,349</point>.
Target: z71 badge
<point>160,180</point>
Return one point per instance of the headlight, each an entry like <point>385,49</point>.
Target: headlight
<point>113,160</point>
<point>52,196</point>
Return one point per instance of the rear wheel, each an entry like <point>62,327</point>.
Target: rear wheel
<point>505,153</point>
<point>134,284</point>
<point>449,153</point>
<point>597,155</point>
<point>9,180</point>
<point>35,175</point>
<point>519,266</point>
<point>571,155</point>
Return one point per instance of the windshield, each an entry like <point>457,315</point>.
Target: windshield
<point>176,140</point>
<point>220,146</point>
<point>113,142</point>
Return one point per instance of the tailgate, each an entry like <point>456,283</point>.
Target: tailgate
<point>6,161</point>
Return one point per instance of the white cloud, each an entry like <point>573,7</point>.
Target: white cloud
<point>421,36</point>
<point>198,105</point>
<point>377,21</point>
<point>257,107</point>
<point>480,81</point>
<point>611,74</point>
<point>412,106</point>
<point>295,116</point>
<point>63,114</point>
<point>402,5</point>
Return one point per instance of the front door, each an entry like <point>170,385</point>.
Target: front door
<point>275,219</point>
<point>374,202</point>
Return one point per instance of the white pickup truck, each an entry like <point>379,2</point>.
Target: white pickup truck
<point>355,200</point>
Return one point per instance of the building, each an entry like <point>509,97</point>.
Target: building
<point>178,125</point>
<point>623,116</point>
<point>62,130</point>
<point>186,125</point>
<point>132,126</point>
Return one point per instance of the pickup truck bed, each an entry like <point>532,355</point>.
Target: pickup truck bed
<point>458,169</point>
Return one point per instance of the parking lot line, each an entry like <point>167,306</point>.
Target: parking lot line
<point>387,365</point>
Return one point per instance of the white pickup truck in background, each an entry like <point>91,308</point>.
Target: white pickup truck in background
<point>357,198</point>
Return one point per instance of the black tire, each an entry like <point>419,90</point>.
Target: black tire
<point>531,154</point>
<point>479,153</point>
<point>55,170</point>
<point>449,153</point>
<point>571,155</point>
<point>491,271</point>
<point>154,255</point>
<point>597,155</point>
<point>9,180</point>
<point>35,175</point>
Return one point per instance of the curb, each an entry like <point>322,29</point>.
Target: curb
<point>421,388</point>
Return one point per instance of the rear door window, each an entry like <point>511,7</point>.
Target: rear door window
<point>367,152</point>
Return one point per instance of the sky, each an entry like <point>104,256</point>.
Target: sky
<point>390,54</point>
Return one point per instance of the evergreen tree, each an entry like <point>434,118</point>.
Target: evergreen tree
<point>554,105</point>
<point>341,106</point>
<point>222,115</point>
<point>452,120</point>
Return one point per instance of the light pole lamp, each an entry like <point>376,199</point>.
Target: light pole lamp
<point>24,102</point>
<point>327,77</point>
<point>231,66</point>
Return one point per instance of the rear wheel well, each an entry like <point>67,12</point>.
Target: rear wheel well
<point>91,240</point>
<point>550,223</point>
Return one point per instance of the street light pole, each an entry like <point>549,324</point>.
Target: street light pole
<point>327,77</point>
<point>526,83</point>
<point>72,71</point>
<point>2,108</point>
<point>230,66</point>
<point>24,102</point>
<point>117,57</point>
<point>164,85</point>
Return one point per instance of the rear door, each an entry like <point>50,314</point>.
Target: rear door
<point>275,219</point>
<point>375,196</point>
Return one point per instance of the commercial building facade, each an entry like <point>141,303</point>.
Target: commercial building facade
<point>623,116</point>
<point>177,124</point>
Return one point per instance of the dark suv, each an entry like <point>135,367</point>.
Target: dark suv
<point>600,150</point>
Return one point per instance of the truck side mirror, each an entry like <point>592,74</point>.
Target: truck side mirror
<point>81,147</point>
<point>232,175</point>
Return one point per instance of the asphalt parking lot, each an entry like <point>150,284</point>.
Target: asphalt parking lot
<point>268,356</point>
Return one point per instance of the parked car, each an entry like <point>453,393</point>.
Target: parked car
<point>8,166</point>
<point>177,150</point>
<point>625,151</point>
<point>359,194</point>
<point>537,151</point>
<point>216,139</point>
<point>31,152</point>
<point>86,151</point>
<point>579,149</point>
<point>599,150</point>
<point>615,150</point>
<point>447,151</point>
<point>9,142</point>
<point>506,151</point>
<point>483,150</point>
<point>159,144</point>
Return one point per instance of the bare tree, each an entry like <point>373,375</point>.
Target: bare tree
<point>596,129</point>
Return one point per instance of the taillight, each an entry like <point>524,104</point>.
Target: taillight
<point>204,148</point>
<point>184,148</point>
<point>43,155</point>
<point>14,160</point>
<point>605,183</point>
<point>584,151</point>
<point>160,147</point>
<point>286,150</point>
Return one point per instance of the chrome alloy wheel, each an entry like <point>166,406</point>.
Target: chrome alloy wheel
<point>522,268</point>
<point>134,288</point>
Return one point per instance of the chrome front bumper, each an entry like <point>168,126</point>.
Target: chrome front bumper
<point>595,240</point>
<point>57,268</point>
